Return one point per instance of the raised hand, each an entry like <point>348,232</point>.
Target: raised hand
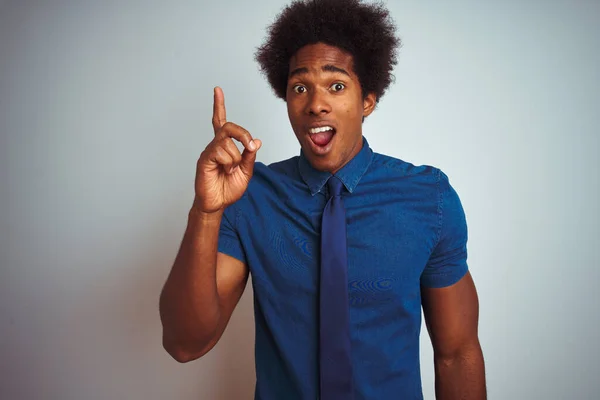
<point>222,173</point>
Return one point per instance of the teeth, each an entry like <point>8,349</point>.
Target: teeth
<point>321,129</point>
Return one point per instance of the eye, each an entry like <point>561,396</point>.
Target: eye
<point>336,87</point>
<point>299,89</point>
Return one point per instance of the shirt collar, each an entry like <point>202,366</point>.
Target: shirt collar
<point>350,173</point>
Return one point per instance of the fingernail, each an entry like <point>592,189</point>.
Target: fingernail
<point>252,145</point>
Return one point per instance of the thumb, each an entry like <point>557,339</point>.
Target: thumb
<point>249,158</point>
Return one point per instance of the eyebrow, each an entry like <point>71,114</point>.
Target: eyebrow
<point>326,68</point>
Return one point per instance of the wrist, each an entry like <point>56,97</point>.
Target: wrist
<point>199,215</point>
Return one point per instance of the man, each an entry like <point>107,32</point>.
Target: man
<point>343,245</point>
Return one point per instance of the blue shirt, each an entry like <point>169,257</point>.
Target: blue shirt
<point>406,229</point>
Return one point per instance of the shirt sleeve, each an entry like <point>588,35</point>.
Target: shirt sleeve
<point>229,238</point>
<point>448,261</point>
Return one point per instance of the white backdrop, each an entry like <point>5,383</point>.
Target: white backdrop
<point>105,107</point>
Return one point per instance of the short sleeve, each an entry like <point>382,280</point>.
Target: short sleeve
<point>229,238</point>
<point>448,261</point>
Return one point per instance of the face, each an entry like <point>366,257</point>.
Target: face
<point>326,105</point>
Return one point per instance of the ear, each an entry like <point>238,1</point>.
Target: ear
<point>369,103</point>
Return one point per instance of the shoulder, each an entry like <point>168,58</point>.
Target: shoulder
<point>272,179</point>
<point>424,181</point>
<point>287,167</point>
<point>278,170</point>
<point>268,184</point>
<point>392,167</point>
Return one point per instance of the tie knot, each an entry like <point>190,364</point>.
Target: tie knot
<point>335,186</point>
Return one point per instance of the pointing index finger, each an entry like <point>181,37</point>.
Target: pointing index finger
<point>219,115</point>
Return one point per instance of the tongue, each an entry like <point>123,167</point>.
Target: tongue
<point>322,138</point>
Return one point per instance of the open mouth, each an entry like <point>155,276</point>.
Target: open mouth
<point>321,136</point>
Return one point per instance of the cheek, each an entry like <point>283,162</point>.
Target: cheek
<point>353,110</point>
<point>294,109</point>
<point>354,105</point>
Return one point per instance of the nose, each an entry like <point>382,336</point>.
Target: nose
<point>317,103</point>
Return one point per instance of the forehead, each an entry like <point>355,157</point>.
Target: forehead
<point>314,56</point>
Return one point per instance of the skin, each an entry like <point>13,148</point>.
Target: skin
<point>204,286</point>
<point>452,315</point>
<point>324,90</point>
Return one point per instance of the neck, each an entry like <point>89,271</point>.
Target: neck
<point>355,150</point>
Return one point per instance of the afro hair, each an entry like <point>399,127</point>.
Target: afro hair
<point>366,31</point>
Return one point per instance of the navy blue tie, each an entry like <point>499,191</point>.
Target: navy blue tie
<point>334,344</point>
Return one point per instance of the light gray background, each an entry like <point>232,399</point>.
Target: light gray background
<point>105,107</point>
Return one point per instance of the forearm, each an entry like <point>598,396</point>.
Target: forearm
<point>189,302</point>
<point>461,376</point>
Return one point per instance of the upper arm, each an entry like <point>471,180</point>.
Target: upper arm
<point>451,315</point>
<point>449,298</point>
<point>232,270</point>
<point>448,260</point>
<point>232,276</point>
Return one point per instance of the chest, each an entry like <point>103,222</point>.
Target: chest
<point>389,240</point>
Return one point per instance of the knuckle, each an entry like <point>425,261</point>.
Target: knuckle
<point>237,156</point>
<point>219,151</point>
<point>226,142</point>
<point>222,133</point>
